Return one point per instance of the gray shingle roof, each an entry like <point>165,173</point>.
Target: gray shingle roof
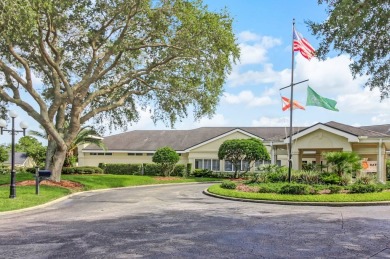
<point>180,140</point>
<point>20,158</point>
<point>357,131</point>
<point>385,128</point>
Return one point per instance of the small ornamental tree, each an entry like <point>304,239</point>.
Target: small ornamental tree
<point>342,162</point>
<point>167,158</point>
<point>3,154</point>
<point>236,150</point>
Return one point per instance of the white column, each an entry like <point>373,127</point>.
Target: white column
<point>381,175</point>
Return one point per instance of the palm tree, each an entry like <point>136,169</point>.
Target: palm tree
<point>343,161</point>
<point>86,135</point>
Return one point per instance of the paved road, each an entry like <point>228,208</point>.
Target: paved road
<point>180,222</point>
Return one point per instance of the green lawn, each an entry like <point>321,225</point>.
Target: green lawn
<point>26,197</point>
<point>358,197</point>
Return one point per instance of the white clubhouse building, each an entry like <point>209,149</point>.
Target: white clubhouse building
<point>200,146</point>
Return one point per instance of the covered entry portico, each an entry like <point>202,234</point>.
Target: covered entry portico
<point>310,144</point>
<point>313,156</point>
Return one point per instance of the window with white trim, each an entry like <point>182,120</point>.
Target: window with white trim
<point>210,164</point>
<point>228,166</point>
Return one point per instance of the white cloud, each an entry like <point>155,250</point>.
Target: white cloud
<point>247,98</point>
<point>271,122</point>
<point>266,76</point>
<point>381,118</point>
<point>365,102</point>
<point>218,120</point>
<point>246,36</point>
<point>254,47</point>
<point>331,76</point>
<point>252,54</point>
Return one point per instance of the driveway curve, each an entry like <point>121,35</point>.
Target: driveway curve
<point>178,221</point>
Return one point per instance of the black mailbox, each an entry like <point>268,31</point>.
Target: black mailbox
<point>44,173</point>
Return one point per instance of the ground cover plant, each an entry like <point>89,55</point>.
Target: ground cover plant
<point>336,185</point>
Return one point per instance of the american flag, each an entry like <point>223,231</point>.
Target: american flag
<point>302,45</point>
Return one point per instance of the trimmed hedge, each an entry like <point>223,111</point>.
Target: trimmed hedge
<point>82,170</point>
<point>180,170</point>
<point>123,169</point>
<point>152,169</point>
<point>365,188</point>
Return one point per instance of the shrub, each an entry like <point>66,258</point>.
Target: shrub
<point>117,169</point>
<point>275,177</point>
<point>202,173</point>
<point>152,170</point>
<point>308,177</point>
<point>188,169</point>
<point>180,170</point>
<point>335,188</point>
<point>258,178</point>
<point>294,189</point>
<point>346,179</point>
<point>102,166</point>
<point>329,178</point>
<point>167,158</point>
<point>363,188</point>
<point>4,169</point>
<point>266,189</point>
<point>228,185</point>
<point>82,170</point>
<point>365,179</point>
<point>222,174</point>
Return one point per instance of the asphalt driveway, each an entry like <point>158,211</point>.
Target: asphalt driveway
<point>178,221</point>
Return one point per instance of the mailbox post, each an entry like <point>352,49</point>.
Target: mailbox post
<point>40,175</point>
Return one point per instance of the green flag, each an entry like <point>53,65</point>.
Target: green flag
<point>314,99</point>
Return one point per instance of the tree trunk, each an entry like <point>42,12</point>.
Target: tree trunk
<point>57,163</point>
<point>51,150</point>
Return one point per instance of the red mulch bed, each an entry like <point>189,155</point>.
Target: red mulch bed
<point>64,183</point>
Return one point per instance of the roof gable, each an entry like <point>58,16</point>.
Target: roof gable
<point>325,127</point>
<point>222,136</point>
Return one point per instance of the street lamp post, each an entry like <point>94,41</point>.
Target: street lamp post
<point>13,132</point>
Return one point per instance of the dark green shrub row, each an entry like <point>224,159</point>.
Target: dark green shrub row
<point>122,169</point>
<point>152,169</point>
<point>142,169</point>
<point>82,170</point>
<point>209,173</point>
<point>295,189</point>
<point>335,188</point>
<point>365,188</point>
<point>228,185</point>
<point>180,170</point>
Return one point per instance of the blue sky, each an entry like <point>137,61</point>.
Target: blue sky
<point>252,96</point>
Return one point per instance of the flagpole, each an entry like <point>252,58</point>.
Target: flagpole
<point>291,103</point>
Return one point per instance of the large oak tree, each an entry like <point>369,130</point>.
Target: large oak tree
<point>359,28</point>
<point>101,61</point>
